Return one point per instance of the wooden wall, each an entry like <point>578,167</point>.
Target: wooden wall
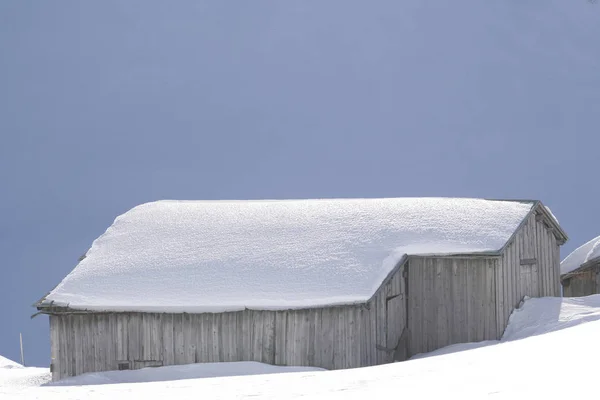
<point>331,338</point>
<point>469,299</point>
<point>530,266</point>
<point>584,282</point>
<point>451,300</point>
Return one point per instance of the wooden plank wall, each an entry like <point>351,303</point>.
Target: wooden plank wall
<point>536,247</point>
<point>55,351</point>
<point>98,341</point>
<point>331,338</point>
<point>450,300</point>
<point>583,283</point>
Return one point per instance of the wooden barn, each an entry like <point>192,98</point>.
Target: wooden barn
<point>580,270</point>
<point>331,283</point>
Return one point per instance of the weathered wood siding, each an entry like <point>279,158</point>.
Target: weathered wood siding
<point>454,300</point>
<point>530,266</point>
<point>331,338</point>
<point>450,300</point>
<point>584,282</point>
<point>100,341</point>
<point>389,318</point>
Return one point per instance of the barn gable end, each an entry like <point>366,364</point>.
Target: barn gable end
<point>469,297</point>
<point>530,263</point>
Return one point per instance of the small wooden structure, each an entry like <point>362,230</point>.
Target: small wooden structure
<point>581,270</point>
<point>425,303</point>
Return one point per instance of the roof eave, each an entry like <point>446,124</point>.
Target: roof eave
<point>540,208</point>
<point>561,235</point>
<point>590,263</point>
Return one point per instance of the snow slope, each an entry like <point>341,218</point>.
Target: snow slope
<point>229,255</point>
<point>6,363</point>
<point>547,358</point>
<point>177,372</point>
<point>536,316</point>
<point>581,255</point>
<point>15,377</point>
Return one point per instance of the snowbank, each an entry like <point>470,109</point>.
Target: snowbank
<point>536,316</point>
<point>14,376</point>
<point>455,348</point>
<point>581,255</point>
<point>176,372</point>
<point>6,363</point>
<point>213,256</point>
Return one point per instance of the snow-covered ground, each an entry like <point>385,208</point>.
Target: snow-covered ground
<point>177,372</point>
<point>6,363</point>
<point>14,377</point>
<point>548,351</point>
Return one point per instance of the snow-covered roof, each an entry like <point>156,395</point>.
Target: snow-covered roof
<point>581,255</point>
<point>213,256</point>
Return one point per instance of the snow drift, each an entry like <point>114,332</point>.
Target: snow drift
<point>6,363</point>
<point>177,372</point>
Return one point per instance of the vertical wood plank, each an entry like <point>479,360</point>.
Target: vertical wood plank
<point>168,342</point>
<point>54,346</point>
<point>178,339</point>
<point>280,337</point>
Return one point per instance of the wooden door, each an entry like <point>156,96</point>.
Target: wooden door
<point>395,311</point>
<point>396,326</point>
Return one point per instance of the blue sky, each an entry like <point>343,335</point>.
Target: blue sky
<point>109,104</point>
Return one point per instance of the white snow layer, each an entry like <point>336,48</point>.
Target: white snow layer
<point>214,256</point>
<point>14,378</point>
<point>581,255</point>
<point>6,363</point>
<point>177,372</point>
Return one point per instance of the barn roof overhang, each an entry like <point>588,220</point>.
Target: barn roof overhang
<point>541,212</point>
<point>51,309</point>
<point>594,262</point>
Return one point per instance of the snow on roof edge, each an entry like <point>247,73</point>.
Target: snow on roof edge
<point>584,254</point>
<point>316,302</point>
<point>325,303</point>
